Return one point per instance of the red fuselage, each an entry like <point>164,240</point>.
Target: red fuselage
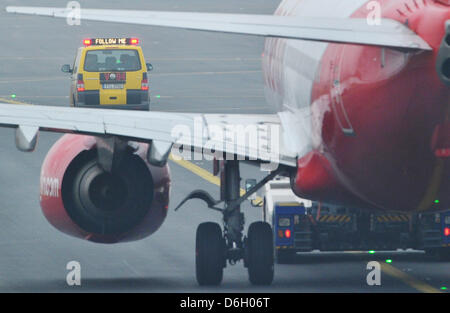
<point>366,116</point>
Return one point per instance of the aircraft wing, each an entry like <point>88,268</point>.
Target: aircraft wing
<point>253,137</point>
<point>390,33</point>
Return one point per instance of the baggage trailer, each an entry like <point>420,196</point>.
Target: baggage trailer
<point>301,225</point>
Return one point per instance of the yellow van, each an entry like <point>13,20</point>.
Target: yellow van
<point>110,73</point>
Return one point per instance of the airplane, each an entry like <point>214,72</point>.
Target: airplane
<point>363,112</point>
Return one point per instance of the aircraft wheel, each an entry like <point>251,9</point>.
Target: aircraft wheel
<point>259,253</point>
<point>210,256</point>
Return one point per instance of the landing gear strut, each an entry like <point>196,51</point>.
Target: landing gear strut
<point>215,247</point>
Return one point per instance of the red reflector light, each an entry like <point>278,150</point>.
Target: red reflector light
<point>87,42</point>
<point>80,86</point>
<point>144,83</point>
<point>287,233</point>
<point>447,231</point>
<point>134,41</point>
<point>442,153</point>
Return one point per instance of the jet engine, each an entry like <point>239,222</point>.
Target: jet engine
<point>81,198</point>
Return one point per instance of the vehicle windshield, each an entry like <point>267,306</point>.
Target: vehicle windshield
<point>112,60</point>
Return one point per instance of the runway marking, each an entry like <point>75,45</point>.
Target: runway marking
<point>197,170</point>
<point>131,268</point>
<point>31,58</point>
<point>19,80</point>
<point>205,73</point>
<point>209,97</point>
<point>38,96</point>
<point>206,175</point>
<point>207,60</point>
<point>408,279</point>
<point>13,101</point>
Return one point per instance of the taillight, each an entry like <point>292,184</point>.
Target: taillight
<point>144,83</point>
<point>447,231</point>
<point>287,233</point>
<point>80,83</point>
<point>442,153</point>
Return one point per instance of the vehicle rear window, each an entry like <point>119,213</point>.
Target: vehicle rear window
<point>112,60</point>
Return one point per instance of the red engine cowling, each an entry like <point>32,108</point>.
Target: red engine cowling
<point>80,199</point>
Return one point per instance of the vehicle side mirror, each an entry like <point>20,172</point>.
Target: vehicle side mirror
<point>149,67</point>
<point>249,184</point>
<point>66,69</point>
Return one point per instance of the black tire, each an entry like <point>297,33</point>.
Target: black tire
<point>210,254</point>
<point>285,256</point>
<point>260,254</point>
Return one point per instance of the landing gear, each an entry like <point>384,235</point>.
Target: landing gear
<point>259,254</point>
<point>214,247</point>
<point>210,254</point>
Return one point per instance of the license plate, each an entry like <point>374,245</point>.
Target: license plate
<point>111,78</point>
<point>112,86</point>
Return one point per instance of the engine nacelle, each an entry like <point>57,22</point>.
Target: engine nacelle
<point>81,199</point>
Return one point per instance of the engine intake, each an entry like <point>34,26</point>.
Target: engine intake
<point>108,203</point>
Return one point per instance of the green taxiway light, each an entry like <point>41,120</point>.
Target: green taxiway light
<point>372,252</point>
<point>158,96</point>
<point>436,201</point>
<point>388,261</point>
<point>13,96</point>
<point>443,288</point>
